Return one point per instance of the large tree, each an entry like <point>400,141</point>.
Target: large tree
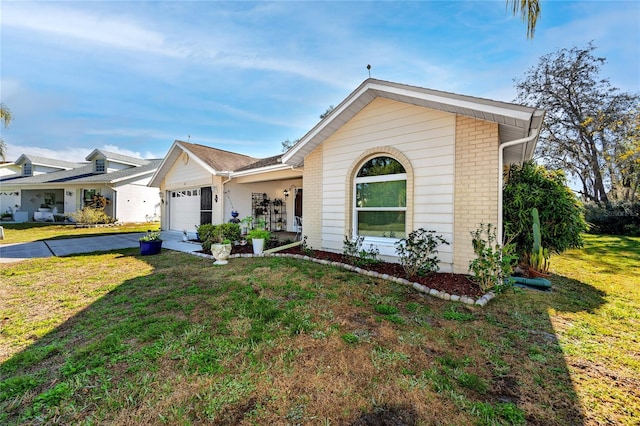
<point>529,10</point>
<point>5,118</point>
<point>587,129</point>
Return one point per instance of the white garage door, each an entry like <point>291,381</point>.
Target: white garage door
<point>184,211</point>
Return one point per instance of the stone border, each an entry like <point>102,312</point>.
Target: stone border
<point>482,301</point>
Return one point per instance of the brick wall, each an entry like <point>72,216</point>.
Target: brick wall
<point>476,184</point>
<point>312,204</point>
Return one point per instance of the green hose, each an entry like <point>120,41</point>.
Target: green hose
<point>533,282</point>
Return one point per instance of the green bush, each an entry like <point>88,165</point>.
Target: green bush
<point>209,234</point>
<point>230,231</point>
<point>494,262</point>
<point>91,216</point>
<point>561,214</point>
<point>419,252</point>
<point>618,218</point>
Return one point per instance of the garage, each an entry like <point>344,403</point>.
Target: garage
<point>184,209</point>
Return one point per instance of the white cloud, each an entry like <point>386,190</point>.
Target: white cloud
<point>116,31</point>
<point>74,154</point>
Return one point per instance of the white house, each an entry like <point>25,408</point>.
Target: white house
<point>67,186</point>
<point>389,159</point>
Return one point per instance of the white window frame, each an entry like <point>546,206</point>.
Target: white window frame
<point>27,169</point>
<point>386,245</point>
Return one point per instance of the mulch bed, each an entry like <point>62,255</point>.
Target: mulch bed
<point>459,284</point>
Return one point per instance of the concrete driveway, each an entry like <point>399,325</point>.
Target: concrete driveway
<point>64,247</point>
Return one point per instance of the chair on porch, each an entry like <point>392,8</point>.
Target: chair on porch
<point>297,220</point>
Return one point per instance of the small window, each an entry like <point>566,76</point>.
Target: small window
<point>88,194</point>
<point>27,169</point>
<point>101,166</point>
<point>380,199</point>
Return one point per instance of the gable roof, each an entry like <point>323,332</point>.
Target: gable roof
<point>118,158</point>
<point>43,161</point>
<point>215,161</point>
<point>514,121</point>
<point>84,174</point>
<point>265,162</point>
<point>219,159</point>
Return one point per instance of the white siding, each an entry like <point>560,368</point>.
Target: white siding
<point>137,203</point>
<point>183,176</point>
<point>426,137</point>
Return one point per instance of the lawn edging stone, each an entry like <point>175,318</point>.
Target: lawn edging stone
<point>480,302</point>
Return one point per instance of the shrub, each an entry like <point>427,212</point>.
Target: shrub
<point>230,231</point>
<point>494,262</point>
<point>91,216</point>
<point>360,256</point>
<point>561,214</point>
<point>418,252</point>
<point>618,218</point>
<point>205,235</point>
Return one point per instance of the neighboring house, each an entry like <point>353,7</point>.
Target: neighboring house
<point>197,187</point>
<point>67,187</point>
<point>389,159</point>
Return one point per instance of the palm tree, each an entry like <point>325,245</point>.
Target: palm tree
<point>5,117</point>
<point>529,10</point>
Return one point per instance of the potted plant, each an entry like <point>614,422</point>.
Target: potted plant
<point>220,247</point>
<point>258,236</point>
<point>150,243</point>
<point>539,256</point>
<point>246,224</point>
<point>279,224</point>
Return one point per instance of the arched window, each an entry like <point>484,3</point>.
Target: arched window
<point>380,199</point>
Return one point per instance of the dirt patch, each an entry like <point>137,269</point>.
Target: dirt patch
<point>388,416</point>
<point>458,284</point>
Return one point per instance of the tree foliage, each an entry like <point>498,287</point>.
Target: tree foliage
<point>288,144</point>
<point>5,118</point>
<point>529,186</point>
<point>529,10</point>
<point>590,128</point>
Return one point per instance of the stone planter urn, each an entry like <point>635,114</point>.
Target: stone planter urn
<point>221,253</point>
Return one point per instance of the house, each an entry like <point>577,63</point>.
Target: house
<point>389,159</point>
<point>63,187</point>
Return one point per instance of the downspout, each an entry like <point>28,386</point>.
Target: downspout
<point>501,173</point>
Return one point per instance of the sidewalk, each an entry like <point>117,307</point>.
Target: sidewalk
<point>172,240</point>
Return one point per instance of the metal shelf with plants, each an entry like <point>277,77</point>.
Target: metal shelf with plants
<point>273,211</point>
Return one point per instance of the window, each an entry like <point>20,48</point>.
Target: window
<point>380,199</point>
<point>27,169</point>
<point>101,166</point>
<point>88,194</point>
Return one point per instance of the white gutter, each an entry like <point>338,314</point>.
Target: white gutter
<point>274,168</point>
<point>501,173</point>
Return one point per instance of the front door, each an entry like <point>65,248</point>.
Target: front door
<point>206,205</point>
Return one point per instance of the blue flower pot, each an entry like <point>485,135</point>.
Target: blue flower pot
<point>148,248</point>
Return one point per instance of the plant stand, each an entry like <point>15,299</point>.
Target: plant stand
<point>221,253</point>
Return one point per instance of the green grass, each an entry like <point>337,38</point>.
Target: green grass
<point>122,339</point>
<point>38,231</point>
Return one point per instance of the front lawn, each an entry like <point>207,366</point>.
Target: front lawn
<point>37,231</point>
<point>170,339</point>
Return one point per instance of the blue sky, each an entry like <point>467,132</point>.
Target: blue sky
<point>131,77</point>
